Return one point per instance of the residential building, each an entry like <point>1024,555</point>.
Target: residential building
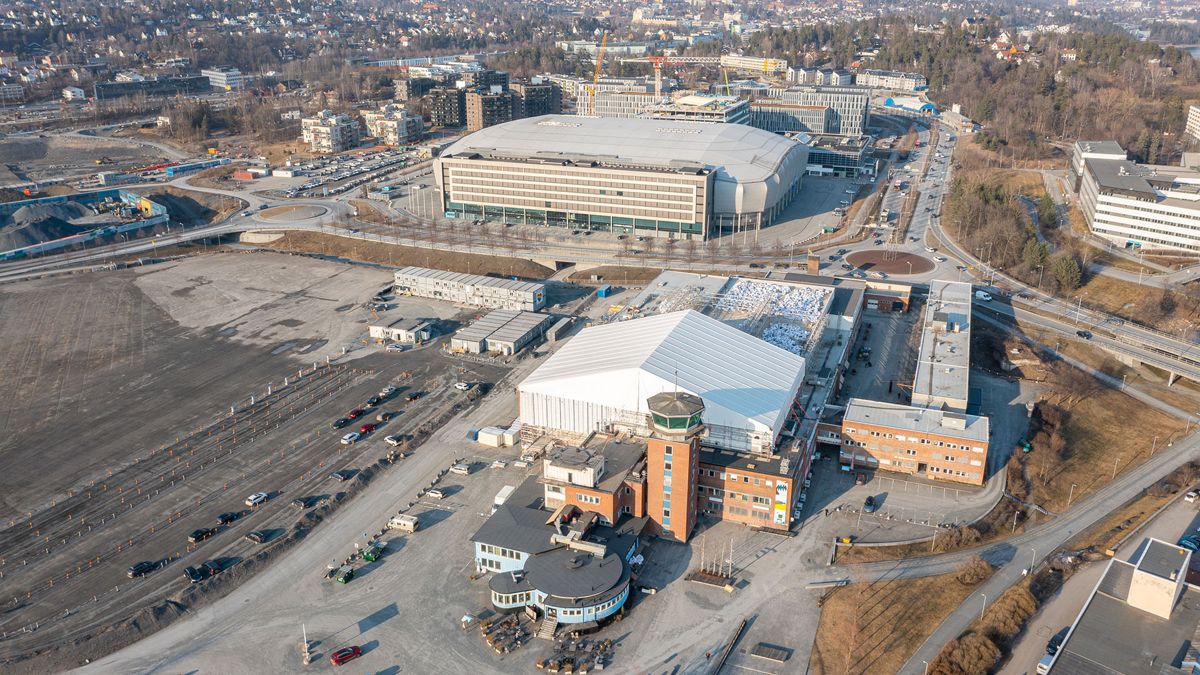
<point>777,117</point>
<point>471,289</point>
<point>448,107</point>
<point>890,79</point>
<point>224,78</point>
<point>10,93</point>
<point>657,177</point>
<point>488,108</point>
<point>73,94</point>
<point>1140,619</point>
<point>1144,207</point>
<point>823,76</point>
<point>613,48</point>
<point>535,97</point>
<point>919,441</point>
<point>330,132</point>
<point>394,125</point>
<point>1192,127</point>
<point>414,87</point>
<point>485,80</point>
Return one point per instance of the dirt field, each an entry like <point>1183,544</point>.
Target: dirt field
<point>386,254</point>
<point>118,435</point>
<point>34,158</point>
<point>188,207</point>
<point>890,263</point>
<point>875,627</point>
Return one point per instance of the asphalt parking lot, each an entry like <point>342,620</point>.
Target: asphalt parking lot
<point>892,338</point>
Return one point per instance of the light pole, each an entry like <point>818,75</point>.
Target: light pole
<point>984,608</point>
<point>1070,495</point>
<point>1041,269</point>
<point>1153,446</point>
<point>1078,307</point>
<point>926,666</point>
<point>1032,559</point>
<point>1115,460</point>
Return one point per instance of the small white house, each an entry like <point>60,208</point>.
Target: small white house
<point>414,331</point>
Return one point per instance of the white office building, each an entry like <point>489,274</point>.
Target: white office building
<point>224,78</point>
<point>1142,206</point>
<point>849,108</point>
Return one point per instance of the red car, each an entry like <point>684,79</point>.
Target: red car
<point>366,428</point>
<point>356,413</point>
<point>345,654</point>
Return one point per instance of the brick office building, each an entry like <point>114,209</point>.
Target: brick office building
<point>919,441</point>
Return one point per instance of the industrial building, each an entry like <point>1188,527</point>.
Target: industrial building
<point>1145,207</point>
<point>471,289</point>
<point>1142,618</point>
<point>650,176</point>
<point>405,330</point>
<point>890,79</point>
<point>503,331</point>
<point>601,379</point>
<point>329,132</point>
<point>394,125</point>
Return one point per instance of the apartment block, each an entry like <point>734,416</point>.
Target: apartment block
<point>535,97</point>
<point>394,125</point>
<point>486,109</point>
<point>447,107</point>
<point>849,106</point>
<point>1193,123</point>
<point>890,79</point>
<point>330,132</point>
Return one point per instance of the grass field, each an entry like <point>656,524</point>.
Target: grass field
<point>875,627</point>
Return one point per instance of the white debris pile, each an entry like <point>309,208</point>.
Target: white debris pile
<point>802,303</point>
<point>789,336</point>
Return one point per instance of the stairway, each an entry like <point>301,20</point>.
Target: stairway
<point>546,630</point>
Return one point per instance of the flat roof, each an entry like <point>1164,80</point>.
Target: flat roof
<point>1111,636</point>
<point>1146,182</point>
<point>1162,559</point>
<point>915,418</point>
<point>503,325</point>
<point>470,279</point>
<point>520,522</point>
<point>741,461</point>
<point>944,357</point>
<point>1100,147</point>
<point>741,151</point>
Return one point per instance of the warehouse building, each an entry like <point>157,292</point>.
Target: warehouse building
<point>655,177</point>
<point>602,378</point>
<point>503,331</point>
<point>471,289</point>
<point>1145,207</point>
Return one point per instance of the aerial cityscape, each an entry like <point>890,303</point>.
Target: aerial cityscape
<point>659,337</point>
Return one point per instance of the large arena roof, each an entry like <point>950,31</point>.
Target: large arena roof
<point>746,383</point>
<point>746,154</point>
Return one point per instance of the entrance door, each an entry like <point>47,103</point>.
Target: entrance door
<point>922,467</point>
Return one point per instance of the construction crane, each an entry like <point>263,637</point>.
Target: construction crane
<point>596,75</point>
<point>660,61</point>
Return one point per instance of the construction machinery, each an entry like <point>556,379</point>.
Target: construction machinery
<point>596,75</point>
<point>660,61</point>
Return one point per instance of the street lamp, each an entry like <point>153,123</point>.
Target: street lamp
<point>984,608</point>
<point>1070,495</point>
<point>1041,269</point>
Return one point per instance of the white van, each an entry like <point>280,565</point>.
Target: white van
<point>1043,666</point>
<point>983,295</point>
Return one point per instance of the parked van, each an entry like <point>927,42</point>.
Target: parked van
<point>404,523</point>
<point>983,295</point>
<point>502,496</point>
<point>1043,666</point>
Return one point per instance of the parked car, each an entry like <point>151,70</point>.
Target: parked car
<point>345,655</point>
<point>395,348</point>
<point>340,423</point>
<point>1190,542</point>
<point>1055,642</point>
<point>356,413</point>
<point>374,401</point>
<point>394,441</point>
<point>413,395</point>
<point>1190,497</point>
<point>256,499</point>
<point>351,438</point>
<point>141,569</point>
<point>461,469</point>
<point>342,475</point>
<point>1085,334</point>
<point>462,386</point>
<point>384,416</point>
<point>228,517</point>
<point>387,391</point>
<point>869,505</point>
<point>256,537</point>
<point>435,493</point>
<point>211,567</point>
<point>367,428</point>
<point>194,575</point>
<point>300,503</point>
<point>200,535</point>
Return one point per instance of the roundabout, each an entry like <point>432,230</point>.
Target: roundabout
<point>890,262</point>
<point>293,214</point>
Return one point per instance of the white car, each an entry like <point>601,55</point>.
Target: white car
<point>395,348</point>
<point>461,469</point>
<point>931,249</point>
<point>940,258</point>
<point>387,391</point>
<point>1190,497</point>
<point>393,440</point>
<point>350,438</point>
<point>435,493</point>
<point>256,499</point>
<point>462,386</point>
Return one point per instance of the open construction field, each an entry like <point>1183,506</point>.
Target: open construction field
<point>33,158</point>
<point>143,403</point>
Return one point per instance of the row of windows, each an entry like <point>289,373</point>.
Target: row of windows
<point>915,439</point>
<point>609,176</point>
<point>536,192</point>
<point>663,214</point>
<point>500,551</point>
<point>591,184</point>
<point>733,477</point>
<point>509,599</point>
<point>729,494</point>
<point>587,499</point>
<point>739,511</point>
